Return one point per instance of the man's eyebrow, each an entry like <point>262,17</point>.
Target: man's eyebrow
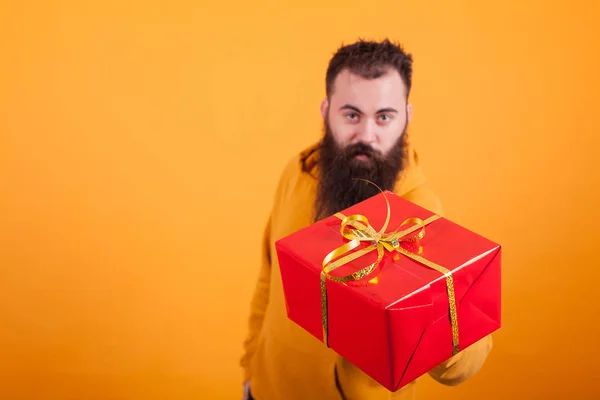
<point>356,109</point>
<point>388,109</point>
<point>350,107</point>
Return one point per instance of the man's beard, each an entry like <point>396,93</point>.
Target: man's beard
<point>339,169</point>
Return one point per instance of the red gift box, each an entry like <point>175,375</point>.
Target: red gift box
<point>417,296</point>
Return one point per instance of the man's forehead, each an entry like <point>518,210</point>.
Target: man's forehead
<point>350,87</point>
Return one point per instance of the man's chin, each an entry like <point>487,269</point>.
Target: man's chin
<point>361,167</point>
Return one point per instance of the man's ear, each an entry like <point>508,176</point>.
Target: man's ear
<point>324,108</point>
<point>408,112</point>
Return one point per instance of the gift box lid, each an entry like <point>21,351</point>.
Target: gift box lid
<point>445,243</point>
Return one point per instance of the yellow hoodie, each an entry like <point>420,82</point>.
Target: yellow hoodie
<point>281,360</point>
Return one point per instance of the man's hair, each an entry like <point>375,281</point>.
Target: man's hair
<point>370,60</point>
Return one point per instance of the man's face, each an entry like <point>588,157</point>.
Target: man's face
<point>369,111</point>
<point>365,126</point>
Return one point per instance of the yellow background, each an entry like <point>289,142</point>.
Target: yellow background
<point>137,136</point>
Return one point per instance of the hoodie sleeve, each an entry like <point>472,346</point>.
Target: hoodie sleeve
<point>356,385</point>
<point>258,304</point>
<point>260,296</point>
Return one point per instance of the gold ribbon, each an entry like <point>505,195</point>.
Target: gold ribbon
<point>380,241</point>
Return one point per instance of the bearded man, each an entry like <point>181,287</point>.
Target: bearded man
<point>366,114</point>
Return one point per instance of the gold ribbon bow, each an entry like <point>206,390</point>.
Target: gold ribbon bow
<point>379,241</point>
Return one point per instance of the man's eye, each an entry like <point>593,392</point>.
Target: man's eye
<point>352,116</point>
<point>385,117</point>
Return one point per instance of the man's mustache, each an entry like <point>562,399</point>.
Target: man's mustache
<point>362,149</point>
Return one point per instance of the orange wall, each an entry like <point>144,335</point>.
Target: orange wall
<point>137,137</point>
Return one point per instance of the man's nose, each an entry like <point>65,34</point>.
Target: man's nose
<point>367,131</point>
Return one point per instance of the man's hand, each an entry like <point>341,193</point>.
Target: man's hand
<point>246,391</point>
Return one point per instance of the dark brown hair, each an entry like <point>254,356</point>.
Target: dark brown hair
<point>370,60</point>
